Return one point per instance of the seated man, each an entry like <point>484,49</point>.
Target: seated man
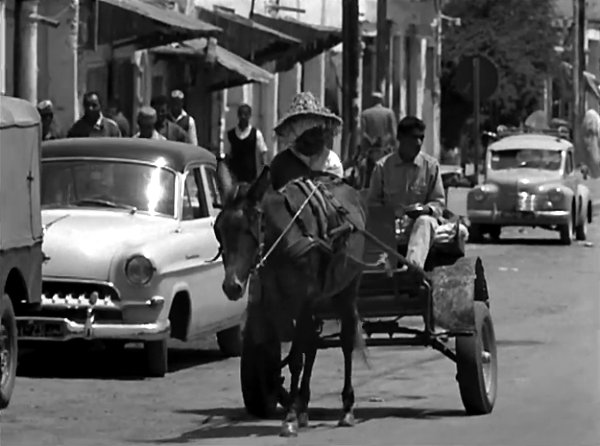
<point>408,177</point>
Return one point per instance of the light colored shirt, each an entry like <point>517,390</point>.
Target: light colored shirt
<point>378,123</point>
<point>326,161</point>
<point>192,135</point>
<point>155,135</point>
<point>261,146</point>
<point>398,184</point>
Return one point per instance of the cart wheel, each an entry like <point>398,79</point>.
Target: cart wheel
<point>477,364</point>
<point>8,350</point>
<point>260,373</point>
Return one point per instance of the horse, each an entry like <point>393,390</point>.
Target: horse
<point>262,238</point>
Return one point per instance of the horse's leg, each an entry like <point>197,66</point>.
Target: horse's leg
<point>289,427</point>
<point>348,335</point>
<point>310,346</point>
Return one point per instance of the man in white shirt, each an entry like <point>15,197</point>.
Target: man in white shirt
<point>146,120</point>
<point>181,118</point>
<point>246,149</point>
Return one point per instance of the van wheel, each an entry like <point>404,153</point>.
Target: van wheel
<point>157,353</point>
<point>230,341</point>
<point>8,350</point>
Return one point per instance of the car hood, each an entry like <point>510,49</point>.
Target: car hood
<point>522,177</point>
<point>83,243</point>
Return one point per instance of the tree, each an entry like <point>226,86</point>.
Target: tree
<point>519,37</point>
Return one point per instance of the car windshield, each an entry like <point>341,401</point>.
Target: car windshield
<point>526,158</point>
<point>111,184</point>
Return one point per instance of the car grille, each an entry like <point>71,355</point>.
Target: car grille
<point>72,299</point>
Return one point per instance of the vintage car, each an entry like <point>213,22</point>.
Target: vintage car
<point>128,247</point>
<point>530,180</point>
<point>20,228</point>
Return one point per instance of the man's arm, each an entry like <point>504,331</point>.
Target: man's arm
<point>193,136</point>
<point>375,196</point>
<point>436,197</point>
<point>261,150</point>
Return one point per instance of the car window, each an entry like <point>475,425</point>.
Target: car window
<point>526,158</point>
<point>213,195</point>
<point>194,203</point>
<point>569,166</point>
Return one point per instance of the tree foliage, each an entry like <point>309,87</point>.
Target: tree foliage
<point>519,37</point>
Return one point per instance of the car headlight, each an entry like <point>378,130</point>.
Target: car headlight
<point>555,196</point>
<point>139,270</point>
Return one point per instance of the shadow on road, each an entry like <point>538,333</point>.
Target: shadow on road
<point>97,362</point>
<point>235,423</point>
<point>522,241</point>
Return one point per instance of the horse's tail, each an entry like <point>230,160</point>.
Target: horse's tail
<point>360,346</point>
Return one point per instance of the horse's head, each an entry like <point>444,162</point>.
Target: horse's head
<point>238,228</point>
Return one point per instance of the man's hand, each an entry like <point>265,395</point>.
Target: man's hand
<point>414,211</point>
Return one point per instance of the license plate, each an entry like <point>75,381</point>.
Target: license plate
<point>39,329</point>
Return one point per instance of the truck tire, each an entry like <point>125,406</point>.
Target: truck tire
<point>8,350</point>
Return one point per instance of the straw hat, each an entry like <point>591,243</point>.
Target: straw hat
<point>306,112</point>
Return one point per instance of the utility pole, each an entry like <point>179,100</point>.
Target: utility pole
<point>350,76</point>
<point>25,50</point>
<point>578,68</point>
<point>382,45</point>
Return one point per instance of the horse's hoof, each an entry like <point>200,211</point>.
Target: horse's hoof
<point>303,419</point>
<point>289,429</point>
<point>347,420</point>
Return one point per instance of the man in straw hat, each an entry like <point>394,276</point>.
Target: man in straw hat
<point>306,132</point>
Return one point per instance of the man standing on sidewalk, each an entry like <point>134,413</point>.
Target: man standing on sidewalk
<point>181,117</point>
<point>378,133</point>
<point>164,126</point>
<point>246,153</point>
<point>93,123</point>
<point>50,129</point>
<point>146,121</point>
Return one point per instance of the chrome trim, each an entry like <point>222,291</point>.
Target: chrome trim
<point>82,281</point>
<point>92,330</point>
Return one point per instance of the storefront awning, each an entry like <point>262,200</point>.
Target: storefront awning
<point>231,70</point>
<point>315,38</point>
<point>144,24</point>
<point>251,40</point>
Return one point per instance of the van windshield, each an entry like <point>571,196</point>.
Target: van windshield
<point>112,184</point>
<point>526,158</point>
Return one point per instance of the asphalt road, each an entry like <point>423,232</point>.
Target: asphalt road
<point>545,306</point>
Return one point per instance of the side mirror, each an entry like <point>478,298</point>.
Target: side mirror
<point>216,205</point>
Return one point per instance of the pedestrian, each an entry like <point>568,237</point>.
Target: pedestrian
<point>182,118</point>
<point>146,121</point>
<point>114,112</point>
<point>50,129</point>
<point>246,151</point>
<point>164,126</point>
<point>378,133</point>
<point>93,122</point>
<point>306,131</point>
<point>410,181</point>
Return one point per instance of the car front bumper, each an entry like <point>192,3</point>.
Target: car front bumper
<point>519,218</point>
<point>44,326</point>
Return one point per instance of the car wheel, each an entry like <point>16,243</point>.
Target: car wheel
<point>566,232</point>
<point>475,233</point>
<point>230,341</point>
<point>156,357</point>
<point>495,232</point>
<point>8,350</point>
<point>581,229</point>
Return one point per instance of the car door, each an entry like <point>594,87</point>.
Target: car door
<point>229,310</point>
<point>571,179</point>
<point>204,277</point>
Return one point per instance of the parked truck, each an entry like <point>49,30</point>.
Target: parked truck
<point>20,228</point>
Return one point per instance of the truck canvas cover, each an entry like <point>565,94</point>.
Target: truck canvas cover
<point>20,220</point>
